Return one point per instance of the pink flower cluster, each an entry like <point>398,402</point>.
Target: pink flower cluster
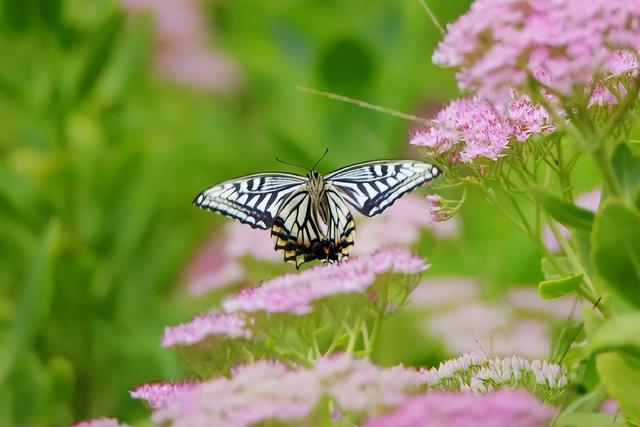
<point>470,128</point>
<point>199,328</point>
<point>504,408</point>
<point>158,393</point>
<point>295,293</point>
<point>500,44</point>
<point>100,422</point>
<point>268,390</point>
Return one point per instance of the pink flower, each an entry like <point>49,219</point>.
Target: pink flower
<point>500,44</point>
<point>199,328</point>
<point>266,391</point>
<point>295,293</point>
<point>159,393</point>
<point>100,422</point>
<point>504,408</point>
<point>589,200</point>
<point>474,128</point>
<point>357,385</point>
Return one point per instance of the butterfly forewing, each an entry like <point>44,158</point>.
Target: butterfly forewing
<point>373,186</point>
<point>254,199</point>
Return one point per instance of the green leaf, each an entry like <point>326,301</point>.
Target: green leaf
<point>98,53</point>
<point>564,212</point>
<point>588,419</point>
<point>618,333</point>
<point>555,288</point>
<point>626,164</point>
<point>620,374</point>
<point>34,303</point>
<point>549,270</point>
<point>616,248</point>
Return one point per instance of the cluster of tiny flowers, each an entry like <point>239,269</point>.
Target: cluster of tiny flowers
<point>266,391</point>
<point>500,44</point>
<point>100,422</point>
<point>472,127</point>
<point>477,373</point>
<point>503,408</point>
<point>199,328</point>
<point>158,393</point>
<point>295,293</point>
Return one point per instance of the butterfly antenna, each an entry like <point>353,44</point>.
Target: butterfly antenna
<point>292,164</point>
<point>325,153</point>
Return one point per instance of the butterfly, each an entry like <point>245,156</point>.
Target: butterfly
<point>309,216</point>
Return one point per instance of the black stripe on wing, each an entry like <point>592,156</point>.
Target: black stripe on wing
<point>253,199</point>
<point>372,187</point>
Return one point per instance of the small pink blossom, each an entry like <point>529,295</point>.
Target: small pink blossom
<point>100,422</point>
<point>295,293</point>
<point>159,393</point>
<point>504,408</point>
<point>199,328</point>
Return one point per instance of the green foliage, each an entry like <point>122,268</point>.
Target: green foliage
<point>620,373</point>
<point>564,212</point>
<point>555,288</point>
<point>616,248</point>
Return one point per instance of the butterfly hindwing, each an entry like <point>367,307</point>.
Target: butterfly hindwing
<point>253,199</point>
<point>373,186</point>
<point>295,229</point>
<point>340,225</point>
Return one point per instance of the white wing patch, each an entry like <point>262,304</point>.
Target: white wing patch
<point>373,186</point>
<point>253,199</point>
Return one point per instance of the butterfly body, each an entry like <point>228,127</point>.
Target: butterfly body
<point>309,216</point>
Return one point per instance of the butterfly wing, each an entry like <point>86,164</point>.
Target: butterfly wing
<point>340,225</point>
<point>372,187</point>
<point>253,199</point>
<point>295,229</point>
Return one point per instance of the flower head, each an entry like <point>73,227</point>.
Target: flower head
<point>501,44</point>
<point>472,128</point>
<point>479,373</point>
<point>199,328</point>
<point>266,390</point>
<point>100,422</point>
<point>295,293</point>
<point>158,393</point>
<point>504,408</point>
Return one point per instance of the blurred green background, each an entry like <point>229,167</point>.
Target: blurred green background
<point>114,115</point>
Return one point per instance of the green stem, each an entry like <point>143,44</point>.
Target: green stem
<point>353,339</point>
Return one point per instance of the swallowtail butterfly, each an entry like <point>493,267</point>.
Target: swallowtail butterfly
<point>292,205</point>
